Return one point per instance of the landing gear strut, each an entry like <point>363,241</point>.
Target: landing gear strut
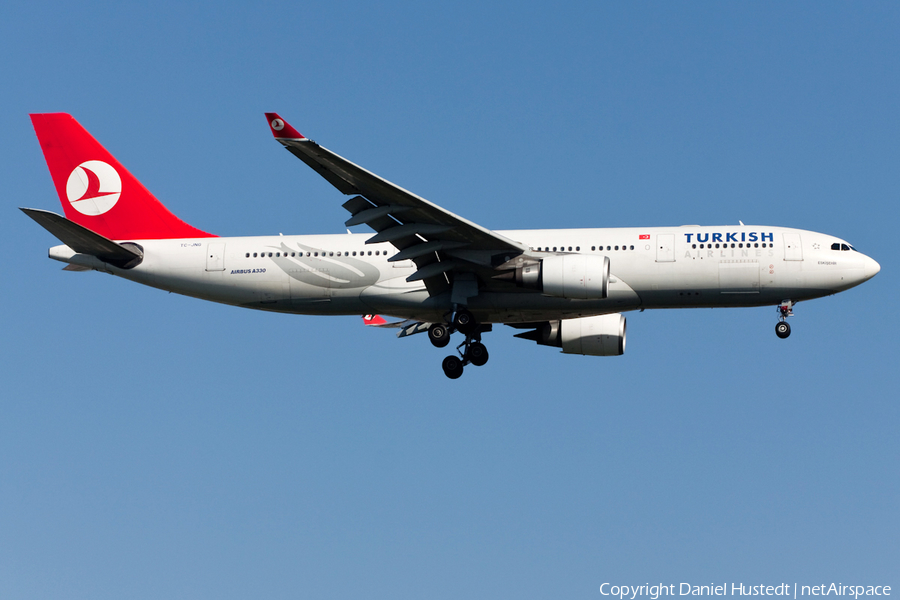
<point>782,329</point>
<point>471,351</point>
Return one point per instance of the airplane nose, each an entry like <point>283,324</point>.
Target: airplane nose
<point>872,268</point>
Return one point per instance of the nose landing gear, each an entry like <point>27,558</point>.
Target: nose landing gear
<point>782,329</point>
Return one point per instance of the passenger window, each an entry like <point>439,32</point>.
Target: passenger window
<point>632,248</point>
<point>254,255</point>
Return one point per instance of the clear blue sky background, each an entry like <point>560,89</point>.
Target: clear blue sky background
<point>155,446</point>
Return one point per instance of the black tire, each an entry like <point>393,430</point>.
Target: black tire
<point>782,329</point>
<point>453,367</point>
<point>464,321</point>
<point>477,354</point>
<point>439,335</point>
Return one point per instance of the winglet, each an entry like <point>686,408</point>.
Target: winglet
<point>373,320</point>
<point>281,129</point>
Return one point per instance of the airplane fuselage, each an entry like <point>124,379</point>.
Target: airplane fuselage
<point>675,267</point>
<point>436,271</point>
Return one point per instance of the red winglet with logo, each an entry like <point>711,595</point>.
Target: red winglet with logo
<point>373,320</point>
<point>96,191</point>
<point>281,128</point>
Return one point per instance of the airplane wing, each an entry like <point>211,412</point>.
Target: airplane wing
<point>83,240</point>
<point>436,240</point>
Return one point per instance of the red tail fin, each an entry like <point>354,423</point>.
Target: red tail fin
<point>96,191</point>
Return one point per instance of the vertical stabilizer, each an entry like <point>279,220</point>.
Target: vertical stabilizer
<point>96,191</point>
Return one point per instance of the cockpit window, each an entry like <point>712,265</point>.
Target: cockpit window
<point>843,247</point>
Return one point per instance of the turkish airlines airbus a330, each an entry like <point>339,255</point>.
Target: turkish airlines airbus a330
<point>436,271</point>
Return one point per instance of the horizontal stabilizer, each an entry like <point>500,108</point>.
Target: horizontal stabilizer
<point>82,240</point>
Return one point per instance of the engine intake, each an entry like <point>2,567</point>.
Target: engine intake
<point>576,276</point>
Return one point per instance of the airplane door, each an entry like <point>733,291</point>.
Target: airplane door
<point>792,248</point>
<point>665,247</point>
<point>215,257</point>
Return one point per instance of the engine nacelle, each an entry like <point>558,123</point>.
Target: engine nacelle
<point>576,276</point>
<point>603,335</point>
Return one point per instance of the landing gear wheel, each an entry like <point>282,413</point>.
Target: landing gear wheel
<point>452,366</point>
<point>782,330</point>
<point>439,335</point>
<point>464,321</point>
<point>477,354</point>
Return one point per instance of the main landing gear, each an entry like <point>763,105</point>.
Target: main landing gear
<point>782,329</point>
<point>473,351</point>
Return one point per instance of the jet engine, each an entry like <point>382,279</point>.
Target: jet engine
<point>576,276</point>
<point>603,335</point>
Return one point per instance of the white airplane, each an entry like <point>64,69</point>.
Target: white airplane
<point>436,271</point>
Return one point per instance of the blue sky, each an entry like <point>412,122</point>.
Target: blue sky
<point>159,446</point>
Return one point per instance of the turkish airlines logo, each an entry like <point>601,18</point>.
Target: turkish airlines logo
<point>93,188</point>
<point>277,124</point>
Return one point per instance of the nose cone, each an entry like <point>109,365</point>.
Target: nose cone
<point>872,268</point>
